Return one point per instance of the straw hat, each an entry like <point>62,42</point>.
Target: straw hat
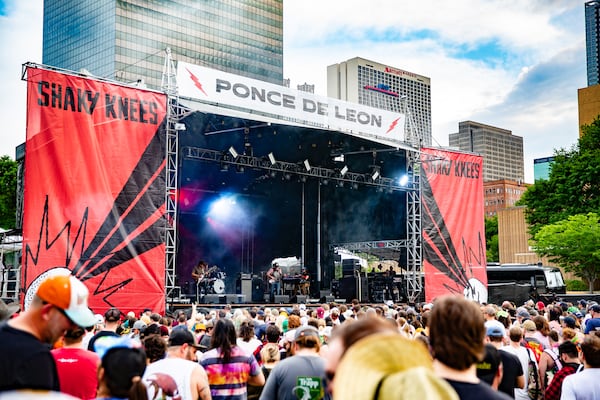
<point>388,366</point>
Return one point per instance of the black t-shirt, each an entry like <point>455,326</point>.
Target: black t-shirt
<point>512,369</point>
<point>25,362</point>
<point>477,391</point>
<point>98,335</point>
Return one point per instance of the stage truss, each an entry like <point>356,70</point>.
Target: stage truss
<point>412,244</point>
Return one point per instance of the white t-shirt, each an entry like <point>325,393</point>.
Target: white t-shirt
<point>521,353</point>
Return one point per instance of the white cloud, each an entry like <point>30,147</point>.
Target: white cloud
<point>20,42</point>
<point>528,85</point>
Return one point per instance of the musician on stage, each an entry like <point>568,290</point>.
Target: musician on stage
<point>274,276</point>
<point>304,282</point>
<point>199,274</point>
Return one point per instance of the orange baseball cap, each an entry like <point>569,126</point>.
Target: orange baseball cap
<point>70,295</point>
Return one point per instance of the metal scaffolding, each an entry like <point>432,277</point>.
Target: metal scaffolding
<point>172,127</point>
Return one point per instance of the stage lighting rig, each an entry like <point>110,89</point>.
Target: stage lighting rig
<point>233,153</point>
<point>307,165</point>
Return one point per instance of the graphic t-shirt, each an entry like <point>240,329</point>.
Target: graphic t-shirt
<point>228,380</point>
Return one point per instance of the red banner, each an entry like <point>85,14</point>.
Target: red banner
<point>95,189</point>
<point>453,224</point>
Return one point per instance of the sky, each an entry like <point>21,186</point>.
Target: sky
<point>513,64</point>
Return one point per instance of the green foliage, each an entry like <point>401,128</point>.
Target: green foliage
<point>491,239</point>
<point>576,285</point>
<point>574,244</point>
<point>573,186</point>
<point>8,192</point>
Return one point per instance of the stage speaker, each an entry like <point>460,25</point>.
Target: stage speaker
<point>300,299</point>
<point>235,298</point>
<point>246,286</point>
<point>211,298</point>
<point>354,288</point>
<point>327,299</point>
<point>350,266</point>
<point>282,298</point>
<point>258,290</point>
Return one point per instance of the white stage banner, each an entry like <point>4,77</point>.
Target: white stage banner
<point>228,90</point>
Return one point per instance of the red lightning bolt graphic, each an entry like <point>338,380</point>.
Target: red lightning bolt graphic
<point>196,81</point>
<point>393,125</point>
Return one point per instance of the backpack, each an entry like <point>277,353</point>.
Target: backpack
<point>555,369</point>
<point>534,386</point>
<point>536,348</point>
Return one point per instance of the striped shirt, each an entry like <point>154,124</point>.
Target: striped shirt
<point>228,381</point>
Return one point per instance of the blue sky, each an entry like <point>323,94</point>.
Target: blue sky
<point>515,64</point>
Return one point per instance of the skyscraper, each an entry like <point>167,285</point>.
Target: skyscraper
<point>126,39</point>
<point>592,39</point>
<point>376,85</point>
<point>501,150</point>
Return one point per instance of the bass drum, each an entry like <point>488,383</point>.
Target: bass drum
<point>218,286</point>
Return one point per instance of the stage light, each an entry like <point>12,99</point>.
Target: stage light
<point>344,170</point>
<point>375,175</point>
<point>307,165</point>
<point>233,153</point>
<point>272,159</point>
<point>339,158</point>
<point>224,167</point>
<point>403,181</point>
<point>179,126</point>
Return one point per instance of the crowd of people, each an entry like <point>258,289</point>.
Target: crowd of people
<point>452,348</point>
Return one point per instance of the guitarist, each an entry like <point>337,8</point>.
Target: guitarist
<point>199,273</point>
<point>274,276</point>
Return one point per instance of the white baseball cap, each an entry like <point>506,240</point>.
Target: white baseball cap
<point>70,295</point>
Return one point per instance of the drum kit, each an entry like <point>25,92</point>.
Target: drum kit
<point>213,283</point>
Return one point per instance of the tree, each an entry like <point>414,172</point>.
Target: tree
<point>573,186</point>
<point>491,239</point>
<point>574,244</point>
<point>8,192</point>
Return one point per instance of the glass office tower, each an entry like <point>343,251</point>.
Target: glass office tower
<point>592,36</point>
<point>126,39</point>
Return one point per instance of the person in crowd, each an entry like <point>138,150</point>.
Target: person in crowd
<point>303,374</point>
<point>542,330</point>
<point>180,365</point>
<point>515,335</point>
<point>346,335</point>
<point>246,339</point>
<point>228,367</point>
<point>272,335</point>
<point>549,362</point>
<point>513,375</point>
<point>593,324</point>
<point>584,385</point>
<point>137,330</point>
<point>270,355</point>
<point>123,362</point>
<point>112,318</point>
<point>490,369</point>
<point>77,367</point>
<point>386,366</point>
<point>569,358</point>
<point>456,334</point>
<point>155,347</point>
<point>26,361</point>
<point>154,326</point>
